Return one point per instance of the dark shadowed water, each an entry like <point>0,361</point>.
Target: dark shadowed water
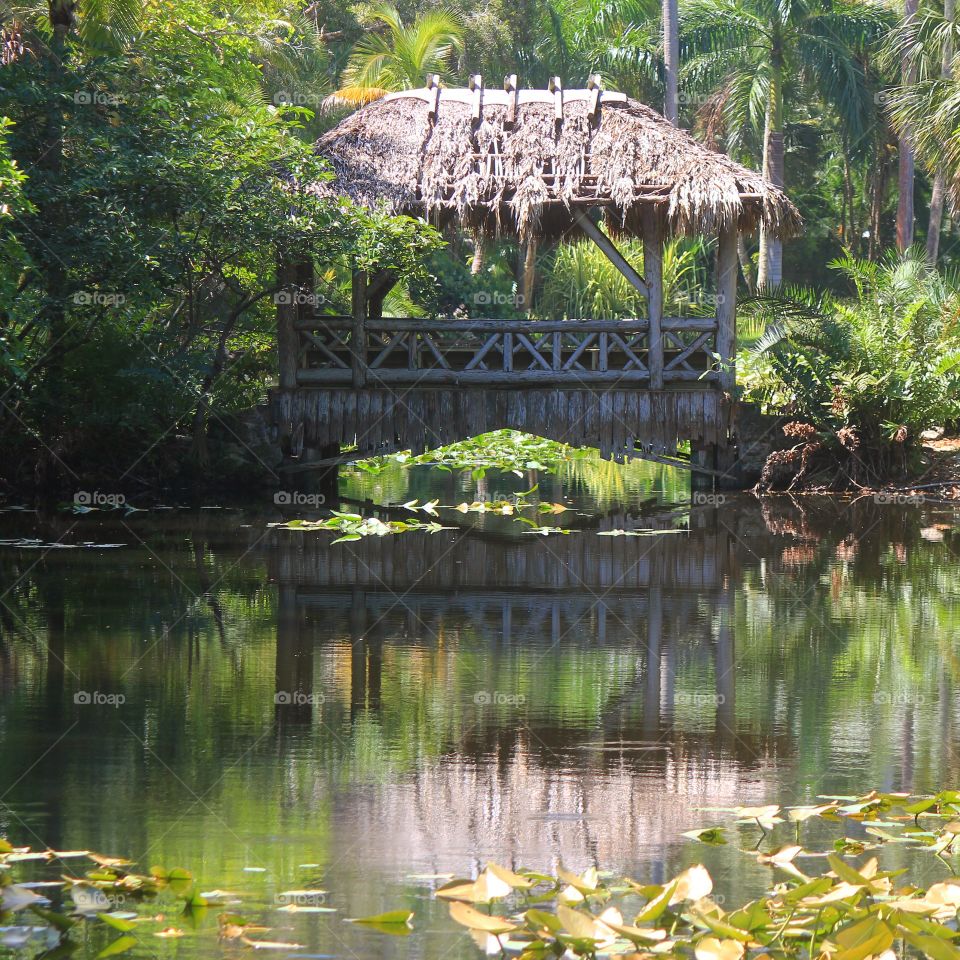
<point>274,713</point>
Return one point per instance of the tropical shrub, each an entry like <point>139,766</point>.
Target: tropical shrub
<point>867,374</point>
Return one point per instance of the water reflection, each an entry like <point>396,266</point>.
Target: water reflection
<point>417,704</point>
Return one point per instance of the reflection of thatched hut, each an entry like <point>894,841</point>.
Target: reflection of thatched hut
<point>435,157</point>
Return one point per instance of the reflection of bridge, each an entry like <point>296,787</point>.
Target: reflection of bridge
<point>700,560</point>
<point>659,599</point>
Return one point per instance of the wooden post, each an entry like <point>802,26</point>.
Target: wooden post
<point>358,336</point>
<point>288,340</point>
<point>726,345</point>
<point>653,274</point>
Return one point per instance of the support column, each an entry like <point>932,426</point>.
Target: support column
<point>726,345</point>
<point>358,337</point>
<point>288,340</point>
<point>653,274</point>
<point>727,307</point>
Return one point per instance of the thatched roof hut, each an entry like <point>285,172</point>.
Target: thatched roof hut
<point>510,161</point>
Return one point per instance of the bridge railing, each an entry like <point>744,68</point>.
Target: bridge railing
<point>501,352</point>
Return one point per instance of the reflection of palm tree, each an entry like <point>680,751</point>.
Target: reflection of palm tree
<point>399,57</point>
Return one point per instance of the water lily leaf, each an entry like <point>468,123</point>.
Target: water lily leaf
<point>390,918</point>
<point>585,884</point>
<point>716,925</point>
<point>475,920</point>
<point>120,945</point>
<point>637,935</point>
<point>799,814</point>
<point>714,836</point>
<point>59,921</point>
<point>514,880</point>
<point>583,926</point>
<point>270,944</point>
<point>693,884</point>
<point>934,947</point>
<point>865,938</point>
<point>488,886</point>
<point>847,873</point>
<point>118,923</point>
<point>541,920</point>
<point>709,948</point>
<point>781,856</point>
<point>655,908</point>
<point>347,538</point>
<point>16,897</point>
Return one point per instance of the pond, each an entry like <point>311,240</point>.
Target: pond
<point>275,713</point>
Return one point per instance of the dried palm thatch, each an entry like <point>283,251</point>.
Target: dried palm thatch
<point>526,177</point>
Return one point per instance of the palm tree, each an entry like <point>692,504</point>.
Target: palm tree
<point>927,104</point>
<point>397,56</point>
<point>906,164</point>
<point>753,51</point>
<point>939,193</point>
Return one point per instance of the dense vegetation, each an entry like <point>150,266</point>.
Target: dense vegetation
<point>149,148</point>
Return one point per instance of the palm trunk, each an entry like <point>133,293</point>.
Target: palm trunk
<point>939,181</point>
<point>907,164</point>
<point>771,248</point>
<point>479,253</point>
<point>671,60</point>
<point>746,265</point>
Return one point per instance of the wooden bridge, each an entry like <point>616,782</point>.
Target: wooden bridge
<point>545,166</point>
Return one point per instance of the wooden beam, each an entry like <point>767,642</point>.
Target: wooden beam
<point>612,253</point>
<point>510,93</point>
<point>556,88</point>
<point>358,338</point>
<point>476,85</point>
<point>595,88</point>
<point>726,345</point>
<point>288,340</point>
<point>653,272</point>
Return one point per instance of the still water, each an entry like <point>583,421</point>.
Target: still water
<point>274,713</point>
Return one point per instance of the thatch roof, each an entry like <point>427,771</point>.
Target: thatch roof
<point>430,156</point>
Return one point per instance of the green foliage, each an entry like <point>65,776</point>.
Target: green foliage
<point>140,254</point>
<point>399,56</point>
<point>885,362</point>
<point>581,282</point>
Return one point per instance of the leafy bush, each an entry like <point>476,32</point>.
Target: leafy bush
<point>870,372</point>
